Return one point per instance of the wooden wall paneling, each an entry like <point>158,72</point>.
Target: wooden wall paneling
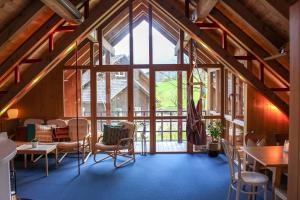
<point>294,149</point>
<point>46,99</point>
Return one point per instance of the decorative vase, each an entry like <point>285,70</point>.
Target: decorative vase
<point>34,144</point>
<point>213,149</point>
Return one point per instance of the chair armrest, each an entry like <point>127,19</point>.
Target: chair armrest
<point>99,136</point>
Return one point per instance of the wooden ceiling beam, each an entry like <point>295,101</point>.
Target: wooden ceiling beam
<point>103,10</point>
<point>249,44</point>
<point>222,55</point>
<point>26,49</point>
<point>20,22</point>
<point>281,6</point>
<point>258,25</point>
<point>65,9</point>
<point>31,44</point>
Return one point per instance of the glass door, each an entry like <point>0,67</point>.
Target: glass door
<point>170,111</point>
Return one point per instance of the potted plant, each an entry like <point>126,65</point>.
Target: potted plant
<point>214,129</point>
<point>34,143</point>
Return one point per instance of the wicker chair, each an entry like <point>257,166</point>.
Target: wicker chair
<point>125,147</point>
<point>57,122</point>
<point>72,146</point>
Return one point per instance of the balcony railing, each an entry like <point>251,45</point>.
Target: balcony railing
<point>166,129</point>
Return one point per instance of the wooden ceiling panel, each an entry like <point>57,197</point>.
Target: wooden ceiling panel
<point>251,32</point>
<point>10,10</point>
<point>13,37</point>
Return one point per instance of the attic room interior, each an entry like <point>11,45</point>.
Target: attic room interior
<point>149,99</point>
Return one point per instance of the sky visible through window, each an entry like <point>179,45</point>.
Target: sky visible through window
<point>163,49</point>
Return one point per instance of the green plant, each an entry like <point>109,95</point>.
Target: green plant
<point>34,140</point>
<point>214,130</point>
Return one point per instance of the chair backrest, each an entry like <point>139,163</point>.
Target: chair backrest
<point>83,128</point>
<point>131,126</point>
<point>232,154</point>
<point>33,121</point>
<point>59,123</point>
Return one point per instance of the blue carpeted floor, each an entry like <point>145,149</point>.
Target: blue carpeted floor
<point>154,177</point>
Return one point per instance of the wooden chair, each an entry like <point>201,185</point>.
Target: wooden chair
<point>240,179</point>
<point>72,146</point>
<point>124,148</point>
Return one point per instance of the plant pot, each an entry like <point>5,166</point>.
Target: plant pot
<point>213,149</point>
<point>34,144</point>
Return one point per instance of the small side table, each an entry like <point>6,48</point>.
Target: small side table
<point>41,149</point>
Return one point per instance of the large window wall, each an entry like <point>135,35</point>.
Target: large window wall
<point>135,71</point>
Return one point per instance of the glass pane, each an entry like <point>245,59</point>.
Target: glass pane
<point>170,92</point>
<point>141,43</point>
<point>141,93</point>
<point>200,78</point>
<point>116,40</point>
<point>83,93</point>
<point>112,94</point>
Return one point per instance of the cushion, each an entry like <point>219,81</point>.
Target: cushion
<point>60,134</point>
<point>31,133</point>
<point>43,133</point>
<point>112,134</point>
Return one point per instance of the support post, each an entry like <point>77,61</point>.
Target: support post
<point>294,129</point>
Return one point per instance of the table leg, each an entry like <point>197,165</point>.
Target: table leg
<point>276,178</point>
<point>46,163</point>
<point>25,161</point>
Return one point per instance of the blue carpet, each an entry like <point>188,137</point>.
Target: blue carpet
<point>154,177</point>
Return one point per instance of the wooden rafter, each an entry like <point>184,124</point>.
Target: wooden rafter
<point>31,44</point>
<point>249,44</point>
<point>26,49</point>
<point>281,6</point>
<point>248,17</point>
<point>223,55</point>
<point>98,15</point>
<point>20,22</point>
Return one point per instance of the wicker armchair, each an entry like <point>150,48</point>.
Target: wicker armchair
<point>125,147</point>
<point>72,146</point>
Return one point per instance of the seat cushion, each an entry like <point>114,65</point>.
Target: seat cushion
<point>112,134</point>
<point>103,147</point>
<point>68,145</point>
<point>254,178</point>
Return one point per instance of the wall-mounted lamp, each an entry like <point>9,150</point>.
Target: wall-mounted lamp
<point>12,113</point>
